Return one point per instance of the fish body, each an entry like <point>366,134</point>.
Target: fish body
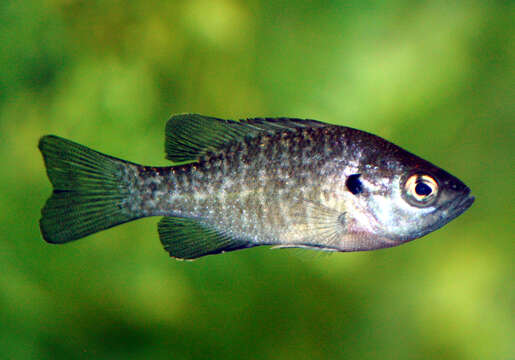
<point>283,182</point>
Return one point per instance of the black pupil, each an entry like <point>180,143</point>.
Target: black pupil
<point>354,184</point>
<point>423,189</point>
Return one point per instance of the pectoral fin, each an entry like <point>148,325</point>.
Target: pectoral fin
<point>315,226</point>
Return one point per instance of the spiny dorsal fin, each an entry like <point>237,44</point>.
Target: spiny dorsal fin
<point>188,239</point>
<point>190,136</point>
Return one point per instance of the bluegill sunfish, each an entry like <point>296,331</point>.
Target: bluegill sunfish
<point>282,182</point>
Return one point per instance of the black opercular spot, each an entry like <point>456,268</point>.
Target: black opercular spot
<point>423,189</point>
<point>354,184</point>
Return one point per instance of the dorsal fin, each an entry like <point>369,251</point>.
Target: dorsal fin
<point>190,136</point>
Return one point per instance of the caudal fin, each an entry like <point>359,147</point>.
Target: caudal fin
<point>89,191</point>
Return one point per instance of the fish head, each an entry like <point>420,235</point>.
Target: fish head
<point>403,201</point>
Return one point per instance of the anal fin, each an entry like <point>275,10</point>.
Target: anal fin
<point>189,239</point>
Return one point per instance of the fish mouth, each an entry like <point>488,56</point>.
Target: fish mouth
<point>462,203</point>
<point>458,206</point>
<point>450,211</point>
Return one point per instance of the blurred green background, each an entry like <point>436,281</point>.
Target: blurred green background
<point>437,79</point>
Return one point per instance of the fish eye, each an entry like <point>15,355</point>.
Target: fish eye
<point>354,184</point>
<point>421,189</point>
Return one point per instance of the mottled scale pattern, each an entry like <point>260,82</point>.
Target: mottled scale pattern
<point>258,188</point>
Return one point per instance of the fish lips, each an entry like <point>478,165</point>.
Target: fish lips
<point>453,208</point>
<point>461,204</point>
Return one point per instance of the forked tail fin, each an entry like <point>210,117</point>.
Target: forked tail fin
<point>89,191</point>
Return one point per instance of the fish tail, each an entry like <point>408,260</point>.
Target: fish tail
<point>89,191</point>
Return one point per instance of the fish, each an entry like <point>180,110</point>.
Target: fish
<point>237,184</point>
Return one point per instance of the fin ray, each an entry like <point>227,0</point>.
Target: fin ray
<point>317,226</point>
<point>188,239</point>
<point>87,194</point>
<point>189,136</point>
